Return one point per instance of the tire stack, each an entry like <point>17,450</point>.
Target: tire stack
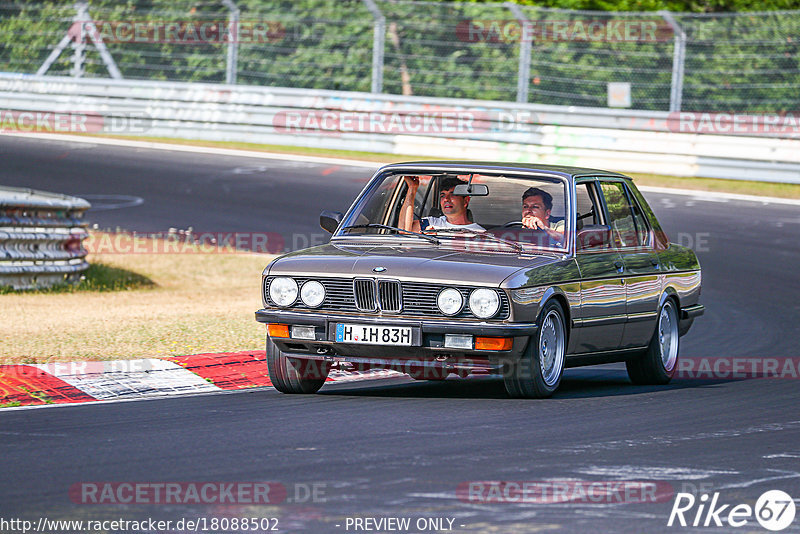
<point>41,238</point>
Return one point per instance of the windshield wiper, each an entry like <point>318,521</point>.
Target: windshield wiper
<point>475,233</point>
<point>396,229</point>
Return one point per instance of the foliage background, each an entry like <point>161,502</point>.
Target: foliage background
<point>736,60</point>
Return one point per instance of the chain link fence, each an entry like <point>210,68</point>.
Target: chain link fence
<point>746,62</point>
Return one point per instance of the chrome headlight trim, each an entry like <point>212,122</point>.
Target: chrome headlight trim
<point>312,294</point>
<point>283,291</point>
<point>484,303</point>
<point>452,296</point>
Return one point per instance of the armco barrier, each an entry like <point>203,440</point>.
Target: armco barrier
<point>623,140</point>
<point>41,238</point>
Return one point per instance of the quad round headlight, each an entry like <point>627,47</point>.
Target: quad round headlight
<point>312,293</point>
<point>283,291</point>
<point>484,302</point>
<point>450,301</point>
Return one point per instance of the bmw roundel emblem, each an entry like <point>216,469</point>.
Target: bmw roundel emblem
<point>378,269</point>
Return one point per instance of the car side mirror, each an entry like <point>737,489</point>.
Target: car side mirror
<point>330,220</point>
<point>471,190</point>
<point>593,236</point>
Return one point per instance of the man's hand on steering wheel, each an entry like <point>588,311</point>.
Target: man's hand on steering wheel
<point>534,223</point>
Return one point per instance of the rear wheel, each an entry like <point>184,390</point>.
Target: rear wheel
<point>538,372</point>
<point>658,363</point>
<point>294,375</point>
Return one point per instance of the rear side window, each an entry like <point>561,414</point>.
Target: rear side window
<point>628,226</point>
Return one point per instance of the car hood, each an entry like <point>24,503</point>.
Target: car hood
<point>420,263</point>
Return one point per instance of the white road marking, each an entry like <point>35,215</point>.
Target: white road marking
<point>665,440</point>
<point>250,170</point>
<point>112,202</point>
<point>357,376</point>
<point>115,401</point>
<point>140,378</point>
<point>155,379</point>
<point>632,472</point>
<point>747,484</point>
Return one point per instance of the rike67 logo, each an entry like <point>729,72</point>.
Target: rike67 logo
<point>774,510</point>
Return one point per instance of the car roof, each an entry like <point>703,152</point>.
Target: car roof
<point>561,170</point>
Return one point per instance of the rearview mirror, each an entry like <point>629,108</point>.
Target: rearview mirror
<point>330,220</point>
<point>471,190</point>
<point>593,236</point>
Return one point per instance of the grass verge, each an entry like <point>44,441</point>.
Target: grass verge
<point>743,187</point>
<point>98,277</point>
<point>139,306</point>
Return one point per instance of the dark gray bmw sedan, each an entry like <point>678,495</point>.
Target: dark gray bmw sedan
<point>443,268</point>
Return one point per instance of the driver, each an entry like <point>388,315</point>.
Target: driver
<point>536,206</point>
<point>453,207</point>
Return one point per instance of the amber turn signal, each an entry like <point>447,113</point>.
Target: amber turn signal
<point>493,343</point>
<point>278,330</point>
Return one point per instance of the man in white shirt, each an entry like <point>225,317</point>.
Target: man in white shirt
<point>536,206</point>
<point>453,207</point>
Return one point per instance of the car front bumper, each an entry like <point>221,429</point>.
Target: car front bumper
<point>427,345</point>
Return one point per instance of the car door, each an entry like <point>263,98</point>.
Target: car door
<point>634,240</point>
<point>603,294</point>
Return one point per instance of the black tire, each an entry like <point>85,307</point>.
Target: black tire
<point>657,365</point>
<point>538,373</point>
<point>294,375</point>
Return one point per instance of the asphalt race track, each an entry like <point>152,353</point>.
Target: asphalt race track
<point>399,448</point>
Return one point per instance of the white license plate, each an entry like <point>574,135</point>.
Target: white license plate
<point>373,334</point>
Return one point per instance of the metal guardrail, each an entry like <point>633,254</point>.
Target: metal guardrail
<point>41,238</point>
<point>623,140</point>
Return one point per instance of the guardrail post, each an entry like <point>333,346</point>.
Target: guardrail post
<point>678,62</point>
<point>83,22</point>
<point>79,44</point>
<point>233,42</point>
<point>524,70</point>
<point>378,41</point>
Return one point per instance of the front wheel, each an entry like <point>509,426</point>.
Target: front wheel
<point>657,365</point>
<point>538,372</point>
<point>294,375</point>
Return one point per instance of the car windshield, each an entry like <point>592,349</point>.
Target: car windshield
<point>504,213</point>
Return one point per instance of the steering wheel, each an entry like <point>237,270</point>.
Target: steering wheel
<point>511,224</point>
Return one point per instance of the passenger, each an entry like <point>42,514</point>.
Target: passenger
<point>453,207</point>
<point>536,207</point>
